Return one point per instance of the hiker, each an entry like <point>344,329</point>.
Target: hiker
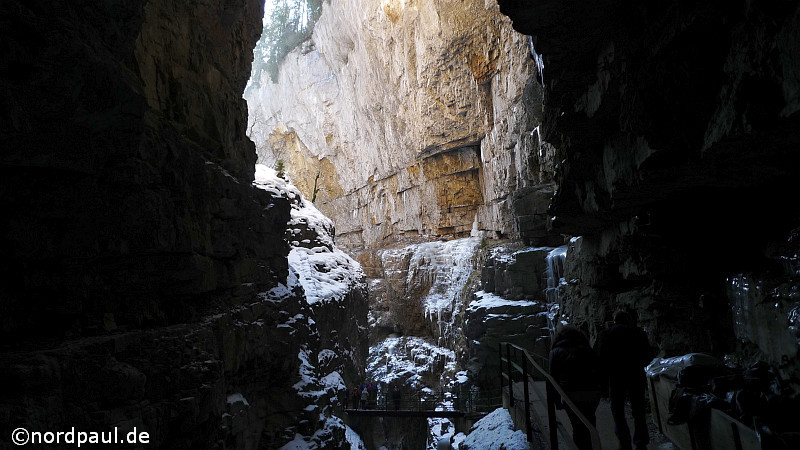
<point>576,368</point>
<point>356,396</point>
<point>396,398</point>
<point>364,397</point>
<point>624,351</point>
<point>372,389</point>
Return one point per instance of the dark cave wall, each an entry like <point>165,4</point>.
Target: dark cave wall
<point>678,126</point>
<point>132,244</point>
<point>126,172</point>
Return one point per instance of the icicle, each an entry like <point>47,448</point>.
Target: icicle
<point>555,273</point>
<point>538,58</point>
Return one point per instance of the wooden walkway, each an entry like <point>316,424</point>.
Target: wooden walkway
<point>443,404</point>
<point>605,423</point>
<point>404,413</point>
<point>546,426</point>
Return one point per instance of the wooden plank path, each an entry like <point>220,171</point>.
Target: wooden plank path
<point>444,404</point>
<point>404,413</point>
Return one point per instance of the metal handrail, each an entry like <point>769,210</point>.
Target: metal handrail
<point>545,360</point>
<point>551,385</point>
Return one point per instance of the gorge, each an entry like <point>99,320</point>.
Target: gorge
<point>455,174</point>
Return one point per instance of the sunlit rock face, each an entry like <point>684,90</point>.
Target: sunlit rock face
<point>411,118</point>
<point>679,130</point>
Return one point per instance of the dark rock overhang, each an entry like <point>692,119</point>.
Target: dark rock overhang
<point>706,89</point>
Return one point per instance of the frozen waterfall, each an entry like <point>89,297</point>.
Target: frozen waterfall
<point>555,273</point>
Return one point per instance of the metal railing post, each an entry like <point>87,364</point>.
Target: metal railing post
<point>510,377</point>
<point>500,356</point>
<point>551,416</point>
<point>525,382</point>
<point>553,393</point>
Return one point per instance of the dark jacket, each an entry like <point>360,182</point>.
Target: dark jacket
<point>624,350</point>
<point>573,362</point>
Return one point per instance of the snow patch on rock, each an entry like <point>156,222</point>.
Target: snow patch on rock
<point>320,277</point>
<point>495,432</point>
<point>324,437</point>
<point>410,359</point>
<point>325,272</point>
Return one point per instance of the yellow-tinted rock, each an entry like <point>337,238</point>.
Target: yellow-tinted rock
<point>420,119</point>
<point>316,178</point>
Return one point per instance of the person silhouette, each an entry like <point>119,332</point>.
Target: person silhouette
<point>575,367</point>
<point>364,398</point>
<point>396,397</point>
<point>624,351</point>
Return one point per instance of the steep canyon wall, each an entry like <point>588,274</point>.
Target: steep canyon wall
<point>118,184</point>
<point>410,118</point>
<point>146,279</point>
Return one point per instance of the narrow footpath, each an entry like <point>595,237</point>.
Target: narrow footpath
<point>605,422</point>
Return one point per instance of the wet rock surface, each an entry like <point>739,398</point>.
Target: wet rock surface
<point>420,289</point>
<point>418,294</point>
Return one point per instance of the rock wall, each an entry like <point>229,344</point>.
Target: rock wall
<point>147,282</point>
<point>421,289</point>
<point>224,382</point>
<point>326,325</point>
<point>678,129</point>
<point>410,118</point>
<point>510,306</point>
<point>126,169</point>
<point>619,97</point>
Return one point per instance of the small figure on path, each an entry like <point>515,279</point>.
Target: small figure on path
<point>364,397</point>
<point>576,368</point>
<point>396,397</point>
<point>624,351</point>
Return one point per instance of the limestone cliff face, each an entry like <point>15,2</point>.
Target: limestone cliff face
<point>410,118</point>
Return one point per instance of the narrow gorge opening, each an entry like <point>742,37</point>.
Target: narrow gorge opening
<point>410,183</point>
<point>554,218</point>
